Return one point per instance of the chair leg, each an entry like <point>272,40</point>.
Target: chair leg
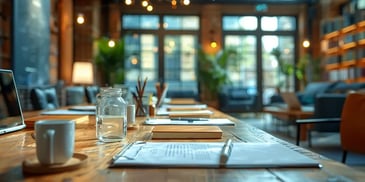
<point>309,136</point>
<point>298,134</point>
<point>344,156</point>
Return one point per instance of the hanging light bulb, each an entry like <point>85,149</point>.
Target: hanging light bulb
<point>128,2</point>
<point>174,4</point>
<point>144,3</point>
<point>186,2</point>
<point>306,43</point>
<point>149,8</point>
<point>80,18</point>
<point>213,44</point>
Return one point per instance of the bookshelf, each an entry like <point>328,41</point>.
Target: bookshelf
<point>343,52</point>
<point>343,43</point>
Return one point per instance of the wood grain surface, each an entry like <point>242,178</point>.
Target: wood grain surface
<point>19,146</point>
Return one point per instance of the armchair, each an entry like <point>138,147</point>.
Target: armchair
<point>237,99</point>
<point>91,92</point>
<point>44,98</point>
<point>75,95</point>
<point>325,106</point>
<point>352,124</point>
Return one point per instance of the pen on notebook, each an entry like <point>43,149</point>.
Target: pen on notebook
<point>226,152</point>
<point>188,119</point>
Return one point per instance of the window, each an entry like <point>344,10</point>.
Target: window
<point>140,22</point>
<point>274,23</point>
<point>254,38</point>
<point>239,23</point>
<point>162,53</point>
<point>181,23</point>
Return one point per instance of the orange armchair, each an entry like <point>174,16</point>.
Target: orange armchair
<point>352,125</point>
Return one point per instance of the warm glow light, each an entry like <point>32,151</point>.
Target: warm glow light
<point>213,44</point>
<point>134,61</point>
<point>165,25</point>
<point>186,2</point>
<point>149,8</point>
<point>172,43</point>
<point>82,73</point>
<point>144,3</point>
<point>128,2</point>
<point>80,18</point>
<point>306,43</point>
<point>149,5</point>
<point>111,43</point>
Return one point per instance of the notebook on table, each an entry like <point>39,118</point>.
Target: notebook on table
<point>185,132</point>
<point>11,116</point>
<point>209,154</point>
<point>190,121</point>
<point>30,122</point>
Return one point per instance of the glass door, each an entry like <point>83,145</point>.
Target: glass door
<point>277,65</point>
<point>256,40</point>
<point>243,71</point>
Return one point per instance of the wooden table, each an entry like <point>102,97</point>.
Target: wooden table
<point>18,146</point>
<point>290,115</point>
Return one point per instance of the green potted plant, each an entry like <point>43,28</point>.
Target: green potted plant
<point>213,73</point>
<point>285,69</point>
<point>109,60</point>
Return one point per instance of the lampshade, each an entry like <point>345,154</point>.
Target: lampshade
<point>83,73</point>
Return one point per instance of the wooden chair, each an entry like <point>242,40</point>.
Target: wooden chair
<point>352,124</point>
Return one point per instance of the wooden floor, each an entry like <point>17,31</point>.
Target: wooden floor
<point>326,144</point>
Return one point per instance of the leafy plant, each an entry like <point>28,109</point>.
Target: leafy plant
<point>285,68</point>
<point>213,73</point>
<point>110,60</point>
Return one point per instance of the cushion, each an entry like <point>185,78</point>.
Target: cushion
<point>44,98</point>
<point>314,88</point>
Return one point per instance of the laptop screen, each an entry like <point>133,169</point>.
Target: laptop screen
<point>11,117</point>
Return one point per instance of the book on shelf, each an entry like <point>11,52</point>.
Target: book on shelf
<point>186,132</point>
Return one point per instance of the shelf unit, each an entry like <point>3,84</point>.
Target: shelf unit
<point>343,53</point>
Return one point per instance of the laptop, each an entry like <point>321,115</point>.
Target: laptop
<point>11,116</point>
<point>293,103</point>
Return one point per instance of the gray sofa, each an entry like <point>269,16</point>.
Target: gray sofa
<point>315,89</point>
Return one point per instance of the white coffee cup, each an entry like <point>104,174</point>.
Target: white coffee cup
<point>55,141</point>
